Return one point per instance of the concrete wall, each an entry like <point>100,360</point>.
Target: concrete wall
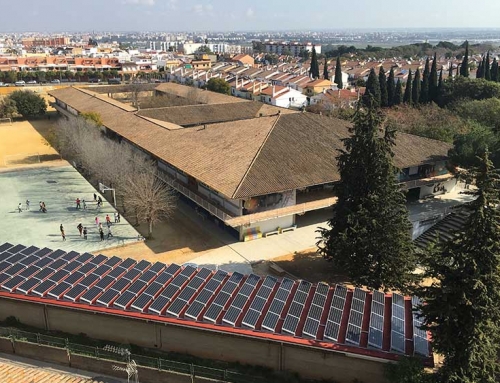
<point>271,224</point>
<point>308,362</point>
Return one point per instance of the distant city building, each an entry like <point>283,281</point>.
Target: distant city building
<point>293,47</point>
<point>51,42</point>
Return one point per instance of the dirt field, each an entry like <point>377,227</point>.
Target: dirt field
<point>21,144</point>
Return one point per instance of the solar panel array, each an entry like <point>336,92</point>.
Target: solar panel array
<point>315,310</point>
<point>188,293</point>
<point>420,341</point>
<point>277,305</point>
<point>334,320</point>
<point>355,323</point>
<point>376,331</point>
<point>398,323</point>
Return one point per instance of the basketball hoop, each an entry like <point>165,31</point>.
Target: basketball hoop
<point>103,188</point>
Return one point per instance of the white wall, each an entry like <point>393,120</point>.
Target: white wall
<point>269,225</point>
<point>438,188</point>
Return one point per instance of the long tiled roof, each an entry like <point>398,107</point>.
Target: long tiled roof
<point>206,96</point>
<point>329,317</point>
<point>249,157</point>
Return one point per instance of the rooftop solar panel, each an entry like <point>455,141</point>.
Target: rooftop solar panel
<point>163,278</point>
<point>117,272</point>
<point>72,266</point>
<point>104,282</point>
<point>59,290</point>
<point>147,276</point>
<point>4,256</point>
<point>136,287</point>
<point>27,286</point>
<point>131,274</point>
<point>311,327</point>
<point>121,284</point>
<point>74,278</point>
<point>30,250</point>
<point>58,275</point>
<point>43,287</point>
<point>91,295</point>
<point>219,275</point>
<point>6,246</point>
<point>43,273</point>
<point>101,270</point>
<point>194,310</point>
<point>13,270</point>
<point>44,252</point>
<point>113,261</point>
<point>124,300</point>
<point>87,268</point>
<point>42,262</point>
<point>57,264</point>
<point>30,270</point>
<point>157,267</point>
<point>4,265</point>
<point>270,321</point>
<point>108,296</point>
<point>4,277</point>
<point>85,257</point>
<point>290,324</point>
<point>142,301</point>
<point>75,292</point>
<point>153,289</point>
<point>421,346</point>
<point>89,280</point>
<point>204,273</point>
<point>98,259</point>
<point>398,342</point>
<point>17,249</point>
<point>127,263</point>
<point>12,283</point>
<point>70,256</point>
<point>251,318</point>
<point>15,258</point>
<point>142,265</point>
<point>158,305</point>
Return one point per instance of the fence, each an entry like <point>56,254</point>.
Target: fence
<point>141,360</point>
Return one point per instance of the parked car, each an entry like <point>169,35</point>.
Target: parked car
<point>20,83</point>
<point>31,82</point>
<point>55,81</point>
<point>94,80</point>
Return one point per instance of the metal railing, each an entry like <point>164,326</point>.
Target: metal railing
<point>167,178</point>
<point>141,360</point>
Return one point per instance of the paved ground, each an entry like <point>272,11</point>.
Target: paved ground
<point>58,187</point>
<point>14,369</point>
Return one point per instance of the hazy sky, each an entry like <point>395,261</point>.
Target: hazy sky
<point>174,15</point>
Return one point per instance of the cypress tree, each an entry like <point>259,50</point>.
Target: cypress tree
<point>384,96</point>
<point>325,71</point>
<point>450,71</point>
<point>433,80</point>
<point>464,69</point>
<point>478,71</point>
<point>439,89</point>
<point>486,67</point>
<point>398,93</point>
<point>372,92</point>
<point>494,70</point>
<point>338,74</point>
<point>462,306</point>
<point>408,91</point>
<point>391,88</point>
<point>369,235</point>
<point>314,69</point>
<point>424,90</point>
<point>415,95</point>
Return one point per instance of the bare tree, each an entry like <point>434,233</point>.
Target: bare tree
<point>150,198</point>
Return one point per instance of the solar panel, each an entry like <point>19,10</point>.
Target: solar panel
<point>136,287</point>
<point>58,275</point>
<point>4,265</point>
<point>46,251</point>
<point>75,292</point>
<point>74,278</point>
<point>57,264</point>
<point>269,282</point>
<point>420,341</point>
<point>29,271</point>
<point>353,334</point>
<point>335,313</point>
<point>59,290</point>
<point>116,273</point>
<point>30,250</point>
<point>87,268</point>
<point>3,277</point>
<point>157,267</point>
<point>105,282</point>
<point>163,278</point>
<point>12,283</point>
<point>98,259</point>
<point>219,276</point>
<point>147,276</point>
<point>108,296</point>
<point>142,265</point>
<point>113,261</point>
<point>89,280</point>
<point>124,300</point>
<point>153,289</point>
<point>15,258</point>
<point>67,257</point>
<point>379,297</point>
<point>213,312</point>
<point>142,301</point>
<point>195,310</point>
<point>5,246</point>
<point>27,286</point>
<point>291,323</point>
<point>270,321</point>
<point>127,263</point>
<point>29,260</point>
<point>13,270</point>
<point>4,256</point>
<point>204,273</point>
<point>398,323</point>
<point>42,274</point>
<point>91,294</point>
<point>85,257</point>
<point>16,249</point>
<point>72,266</point>
<point>251,318</point>
<point>101,270</point>
<point>132,274</point>
<point>297,306</point>
<point>170,291</point>
<point>158,305</point>
<point>176,307</point>
<point>120,284</point>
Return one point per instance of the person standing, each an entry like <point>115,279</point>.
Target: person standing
<point>20,207</point>
<point>100,225</point>
<point>97,221</point>
<point>110,234</point>
<point>78,203</point>
<point>27,204</point>
<point>44,208</point>
<point>101,234</point>
<point>108,220</point>
<point>116,217</point>
<point>63,235</point>
<point>41,206</point>
<point>80,228</point>
<point>99,199</point>
<point>84,205</point>
<point>84,233</point>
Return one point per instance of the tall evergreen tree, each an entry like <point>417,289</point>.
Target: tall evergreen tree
<point>391,88</point>
<point>338,74</point>
<point>408,91</point>
<point>462,306</point>
<point>480,68</point>
<point>450,71</point>
<point>369,235</point>
<point>372,92</point>
<point>398,93</point>
<point>486,67</point>
<point>494,70</point>
<point>314,69</point>
<point>384,96</point>
<point>325,71</point>
<point>439,89</point>
<point>464,68</point>
<point>433,80</point>
<point>424,90</point>
<point>415,95</point>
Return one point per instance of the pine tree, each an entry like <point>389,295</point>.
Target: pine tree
<point>464,68</point>
<point>408,91</point>
<point>338,74</point>
<point>398,93</point>
<point>424,90</point>
<point>391,88</point>
<point>486,67</point>
<point>415,95</point>
<point>433,80</point>
<point>494,70</point>
<point>314,69</point>
<point>384,96</point>
<point>462,306</point>
<point>369,235</point>
<point>325,71</point>
<point>372,92</point>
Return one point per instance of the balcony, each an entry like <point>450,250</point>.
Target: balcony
<point>414,183</point>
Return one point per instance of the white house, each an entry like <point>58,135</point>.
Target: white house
<point>283,96</point>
